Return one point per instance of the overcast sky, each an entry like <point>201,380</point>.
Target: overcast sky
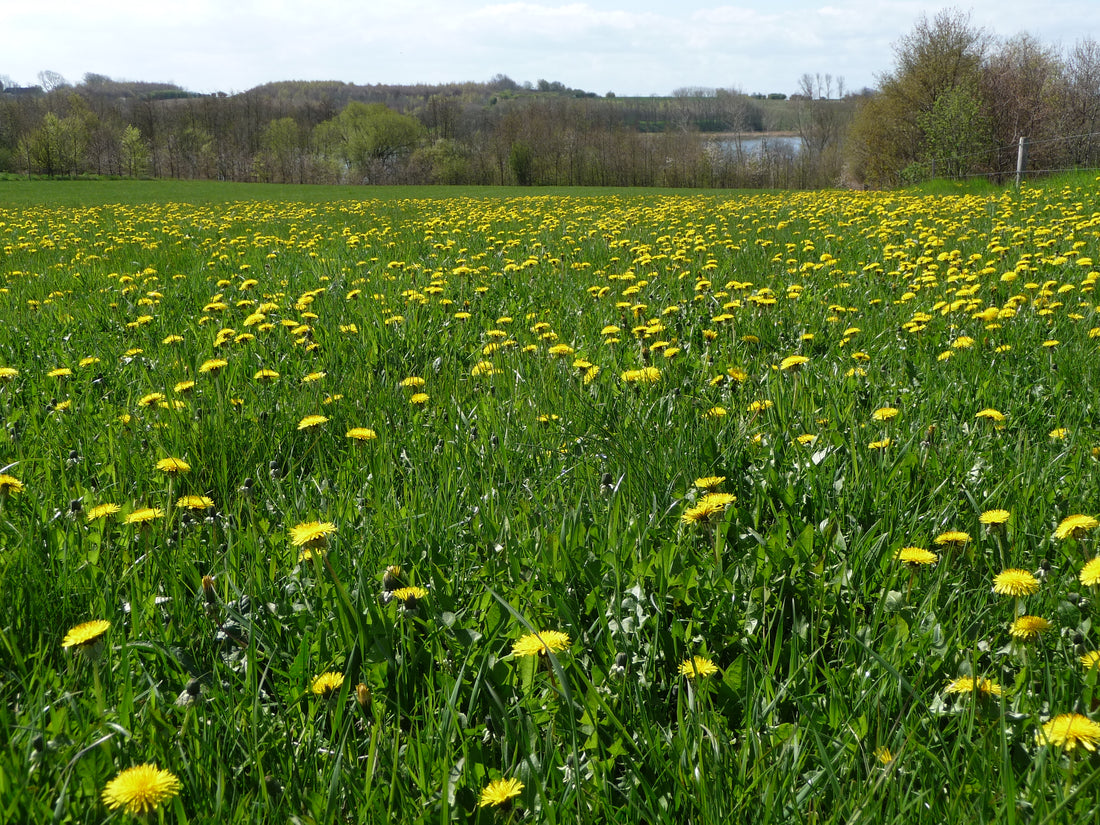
<point>630,47</point>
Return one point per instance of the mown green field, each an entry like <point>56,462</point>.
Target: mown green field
<point>376,505</point>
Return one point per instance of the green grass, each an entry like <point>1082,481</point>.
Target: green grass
<point>537,493</point>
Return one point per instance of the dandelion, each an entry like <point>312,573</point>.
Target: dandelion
<point>793,363</point>
<point>194,503</point>
<point>312,535</point>
<point>141,789</point>
<point>715,413</point>
<point>10,484</point>
<point>1075,526</point>
<point>709,482</point>
<point>879,445</point>
<point>541,643</point>
<point>361,434</point>
<point>1069,730</point>
<point>952,538</point>
<point>499,793</point>
<point>1027,628</point>
<point>697,667</point>
<point>1090,573</point>
<point>313,376</point>
<point>101,511</point>
<point>326,684</point>
<point>151,399</point>
<point>969,686</point>
<point>1015,582</point>
<point>990,414</point>
<point>1091,660</point>
<point>87,637</point>
<point>409,596</point>
<point>646,375</point>
<point>885,414</point>
<point>994,518</point>
<point>213,365</point>
<point>8,373</point>
<point>173,466</point>
<point>916,557</point>
<point>60,372</point>
<point>418,399</point>
<point>144,516</point>
<point>708,509</point>
<point>760,406</point>
<point>312,421</point>
<point>413,382</point>
<point>883,755</point>
<point>265,375</point>
<point>1059,433</point>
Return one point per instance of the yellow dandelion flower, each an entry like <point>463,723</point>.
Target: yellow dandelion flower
<point>361,434</point>
<point>173,466</point>
<point>8,373</point>
<point>419,399</point>
<point>194,503</point>
<point>541,643</point>
<point>1090,573</point>
<point>312,534</point>
<point>885,414</point>
<point>10,484</point>
<point>1069,730</point>
<point>709,482</point>
<point>967,685</point>
<point>265,375</point>
<point>86,635</point>
<point>793,363</point>
<point>993,518</point>
<point>413,382</point>
<point>213,365</point>
<point>150,400</point>
<point>101,511</point>
<point>326,684</point>
<point>141,789</point>
<point>697,667</point>
<point>409,595</point>
<point>312,421</point>
<point>499,793</point>
<point>1015,582</point>
<point>1028,627</point>
<point>646,375</point>
<point>144,515</point>
<point>1091,660</point>
<point>313,376</point>
<point>1075,526</point>
<point>953,538</point>
<point>916,556</point>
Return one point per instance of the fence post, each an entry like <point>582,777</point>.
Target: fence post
<point>1021,160</point>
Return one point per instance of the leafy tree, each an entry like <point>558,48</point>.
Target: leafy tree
<point>521,160</point>
<point>135,153</point>
<point>956,132</point>
<point>366,137</point>
<point>936,57</point>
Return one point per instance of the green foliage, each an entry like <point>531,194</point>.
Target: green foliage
<point>956,131</point>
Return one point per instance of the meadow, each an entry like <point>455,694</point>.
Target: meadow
<point>421,506</point>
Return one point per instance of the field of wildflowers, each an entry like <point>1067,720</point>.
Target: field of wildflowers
<point>630,507</point>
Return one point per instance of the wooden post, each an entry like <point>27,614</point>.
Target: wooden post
<point>1021,160</point>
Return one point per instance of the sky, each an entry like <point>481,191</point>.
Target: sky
<point>629,47</point>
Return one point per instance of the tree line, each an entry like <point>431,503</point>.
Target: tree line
<point>955,104</point>
<point>498,133</point>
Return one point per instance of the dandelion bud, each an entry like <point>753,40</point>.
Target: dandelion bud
<point>208,590</point>
<point>392,578</point>
<point>363,697</point>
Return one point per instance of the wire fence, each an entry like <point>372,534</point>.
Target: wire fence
<point>947,166</point>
